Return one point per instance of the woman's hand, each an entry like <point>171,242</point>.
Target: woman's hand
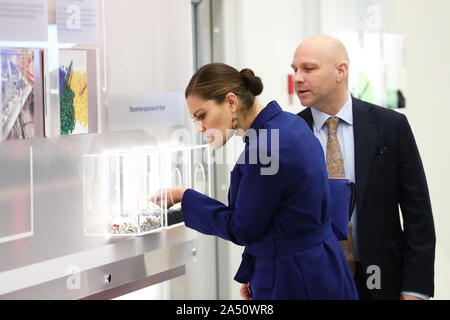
<point>174,195</point>
<point>245,291</point>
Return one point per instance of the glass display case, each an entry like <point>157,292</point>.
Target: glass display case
<point>117,188</point>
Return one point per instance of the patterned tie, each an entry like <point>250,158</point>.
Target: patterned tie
<point>335,167</point>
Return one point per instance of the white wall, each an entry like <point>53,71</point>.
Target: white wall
<point>262,35</point>
<point>149,45</point>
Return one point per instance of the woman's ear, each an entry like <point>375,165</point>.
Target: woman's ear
<point>232,101</point>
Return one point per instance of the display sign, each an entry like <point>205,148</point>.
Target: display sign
<point>23,20</point>
<point>127,112</point>
<point>77,21</point>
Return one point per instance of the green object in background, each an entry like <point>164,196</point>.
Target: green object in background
<point>392,99</point>
<point>364,89</point>
<point>67,110</point>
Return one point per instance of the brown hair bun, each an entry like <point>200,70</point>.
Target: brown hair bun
<point>254,83</point>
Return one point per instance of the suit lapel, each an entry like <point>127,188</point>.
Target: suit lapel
<point>365,136</point>
<point>307,116</point>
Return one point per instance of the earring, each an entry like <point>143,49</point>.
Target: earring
<point>235,120</point>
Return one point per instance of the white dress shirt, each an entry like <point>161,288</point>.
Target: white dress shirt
<point>347,145</point>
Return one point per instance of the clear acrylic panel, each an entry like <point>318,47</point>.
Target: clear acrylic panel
<point>177,167</point>
<point>201,169</point>
<point>118,187</point>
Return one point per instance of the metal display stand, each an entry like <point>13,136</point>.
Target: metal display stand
<point>50,255</point>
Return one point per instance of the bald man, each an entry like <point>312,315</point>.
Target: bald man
<point>380,155</point>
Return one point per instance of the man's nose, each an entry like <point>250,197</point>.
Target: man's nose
<point>298,77</point>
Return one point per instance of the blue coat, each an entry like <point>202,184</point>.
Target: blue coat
<point>282,219</point>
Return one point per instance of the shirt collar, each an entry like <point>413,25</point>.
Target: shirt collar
<point>344,114</point>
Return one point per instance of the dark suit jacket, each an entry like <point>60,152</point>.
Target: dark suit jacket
<point>389,173</point>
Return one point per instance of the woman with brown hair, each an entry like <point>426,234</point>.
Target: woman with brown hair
<point>278,209</point>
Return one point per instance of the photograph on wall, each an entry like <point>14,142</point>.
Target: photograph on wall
<point>73,92</point>
<point>21,111</point>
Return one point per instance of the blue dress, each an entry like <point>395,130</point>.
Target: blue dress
<point>280,211</point>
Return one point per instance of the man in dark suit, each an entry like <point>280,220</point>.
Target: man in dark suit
<point>381,156</point>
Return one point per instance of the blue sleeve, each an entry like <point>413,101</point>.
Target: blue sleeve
<point>257,199</point>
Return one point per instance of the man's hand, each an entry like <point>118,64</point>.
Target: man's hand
<point>245,292</point>
<point>408,297</point>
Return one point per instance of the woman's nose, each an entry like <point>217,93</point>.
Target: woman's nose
<point>199,127</point>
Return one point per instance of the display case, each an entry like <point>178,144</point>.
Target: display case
<point>117,188</point>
